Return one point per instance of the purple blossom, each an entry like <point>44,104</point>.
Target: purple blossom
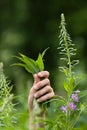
<point>72,106</point>
<point>64,108</point>
<point>75,97</point>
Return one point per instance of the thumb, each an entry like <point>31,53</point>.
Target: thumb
<point>31,99</point>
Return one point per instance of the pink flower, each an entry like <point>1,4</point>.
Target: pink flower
<point>72,106</point>
<point>75,97</point>
<point>64,108</point>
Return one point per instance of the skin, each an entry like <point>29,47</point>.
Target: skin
<point>41,91</point>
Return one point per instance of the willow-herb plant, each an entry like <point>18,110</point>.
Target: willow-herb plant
<point>72,107</point>
<point>7,110</point>
<point>67,110</point>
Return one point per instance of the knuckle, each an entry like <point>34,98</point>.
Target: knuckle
<point>52,90</point>
<point>48,88</point>
<point>52,94</point>
<point>47,81</point>
<point>47,73</point>
<point>39,93</point>
<point>39,83</point>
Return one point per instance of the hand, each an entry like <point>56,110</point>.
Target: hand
<point>41,89</point>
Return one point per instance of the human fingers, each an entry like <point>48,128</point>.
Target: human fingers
<point>43,91</point>
<point>41,84</point>
<point>44,74</point>
<point>36,78</point>
<point>45,97</point>
<point>40,75</point>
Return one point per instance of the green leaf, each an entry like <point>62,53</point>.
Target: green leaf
<point>40,63</point>
<point>26,67</point>
<point>29,64</point>
<point>66,86</point>
<point>43,53</point>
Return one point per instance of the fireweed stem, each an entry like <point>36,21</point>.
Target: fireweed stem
<point>67,116</point>
<point>68,54</point>
<point>69,72</point>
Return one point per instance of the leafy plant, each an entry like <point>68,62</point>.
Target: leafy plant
<point>32,66</point>
<point>7,110</point>
<point>67,110</point>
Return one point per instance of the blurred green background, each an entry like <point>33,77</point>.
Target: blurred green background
<point>29,27</point>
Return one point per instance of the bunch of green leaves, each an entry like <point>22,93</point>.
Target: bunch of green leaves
<point>31,65</point>
<point>7,110</point>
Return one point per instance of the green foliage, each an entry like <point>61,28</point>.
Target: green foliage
<point>57,119</point>
<point>31,65</point>
<point>66,110</point>
<point>7,110</point>
<point>31,25</point>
